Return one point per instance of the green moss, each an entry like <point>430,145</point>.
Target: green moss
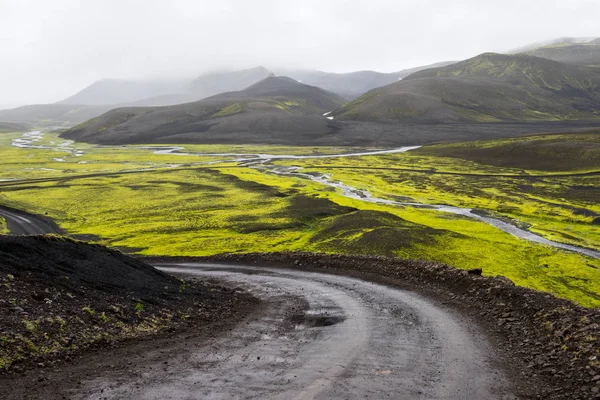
<point>226,209</point>
<point>231,109</point>
<point>88,311</point>
<point>3,226</point>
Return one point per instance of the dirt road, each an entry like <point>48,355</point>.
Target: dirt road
<point>316,336</point>
<point>23,223</point>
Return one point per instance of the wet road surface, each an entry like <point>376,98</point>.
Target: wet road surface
<point>320,336</point>
<point>22,223</point>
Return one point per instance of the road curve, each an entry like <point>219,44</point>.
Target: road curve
<point>22,223</point>
<point>320,336</point>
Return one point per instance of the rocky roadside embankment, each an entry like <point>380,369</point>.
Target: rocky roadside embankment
<point>546,339</point>
<point>59,297</point>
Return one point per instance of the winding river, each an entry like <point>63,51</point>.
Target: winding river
<point>262,161</point>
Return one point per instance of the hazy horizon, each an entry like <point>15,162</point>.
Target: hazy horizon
<point>53,50</point>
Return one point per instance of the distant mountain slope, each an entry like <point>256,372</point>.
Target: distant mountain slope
<point>487,88</point>
<point>351,84</point>
<point>12,127</point>
<point>118,91</point>
<point>162,92</point>
<point>49,115</point>
<point>274,107</point>
<point>585,54</point>
<point>220,82</point>
<point>406,72</point>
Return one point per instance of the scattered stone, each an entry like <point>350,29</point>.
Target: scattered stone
<point>475,271</point>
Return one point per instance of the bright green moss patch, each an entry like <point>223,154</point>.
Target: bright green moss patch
<point>3,227</point>
<point>231,109</point>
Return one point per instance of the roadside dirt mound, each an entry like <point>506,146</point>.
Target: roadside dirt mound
<point>58,296</point>
<point>545,338</point>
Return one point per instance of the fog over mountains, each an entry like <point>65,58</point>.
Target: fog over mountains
<point>553,85</point>
<point>52,50</point>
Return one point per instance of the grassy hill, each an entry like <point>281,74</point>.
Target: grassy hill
<point>487,88</point>
<point>274,109</point>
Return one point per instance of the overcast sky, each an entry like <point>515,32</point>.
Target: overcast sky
<point>50,49</point>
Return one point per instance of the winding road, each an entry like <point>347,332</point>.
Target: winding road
<point>23,223</point>
<point>319,336</point>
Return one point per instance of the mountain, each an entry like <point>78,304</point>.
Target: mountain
<point>406,72</point>
<point>349,85</point>
<point>487,88</point>
<point>52,115</point>
<point>537,45</point>
<point>115,91</point>
<point>6,127</point>
<point>162,92</point>
<point>220,82</point>
<point>581,52</point>
<point>274,109</point>
<point>352,84</point>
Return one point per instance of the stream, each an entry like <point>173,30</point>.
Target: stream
<point>260,161</point>
<point>363,195</point>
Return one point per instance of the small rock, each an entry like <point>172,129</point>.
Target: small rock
<point>475,271</point>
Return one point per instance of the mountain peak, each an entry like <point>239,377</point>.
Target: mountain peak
<point>273,84</point>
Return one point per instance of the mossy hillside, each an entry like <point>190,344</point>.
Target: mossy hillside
<point>558,152</point>
<point>517,69</point>
<point>177,212</point>
<point>484,89</point>
<point>460,242</point>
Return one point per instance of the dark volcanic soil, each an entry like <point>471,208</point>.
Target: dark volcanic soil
<point>59,297</point>
<point>551,343</point>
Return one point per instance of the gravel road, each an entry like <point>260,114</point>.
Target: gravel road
<point>318,336</point>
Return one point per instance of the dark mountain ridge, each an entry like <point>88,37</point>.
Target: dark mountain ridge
<point>274,107</point>
<point>487,88</point>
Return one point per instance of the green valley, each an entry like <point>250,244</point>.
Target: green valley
<point>207,203</point>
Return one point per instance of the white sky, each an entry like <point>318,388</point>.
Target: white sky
<point>49,49</point>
